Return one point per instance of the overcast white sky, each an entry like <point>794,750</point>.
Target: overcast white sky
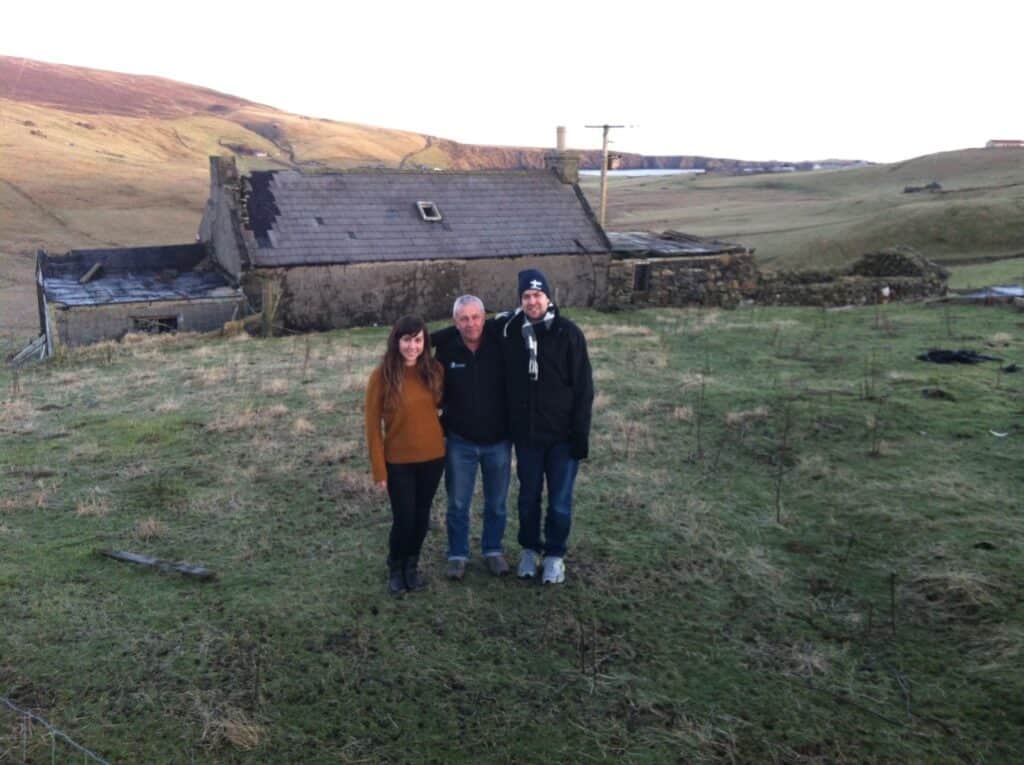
<point>785,80</point>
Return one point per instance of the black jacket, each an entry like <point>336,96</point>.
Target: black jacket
<point>556,407</point>
<point>474,405</point>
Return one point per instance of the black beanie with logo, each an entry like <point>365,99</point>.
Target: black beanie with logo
<point>532,279</point>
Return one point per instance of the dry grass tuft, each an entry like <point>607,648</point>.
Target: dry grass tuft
<point>999,649</point>
<point>1000,339</point>
<point>232,423</point>
<point>169,405</point>
<point>95,503</point>
<point>950,595</point>
<point>274,411</point>
<point>303,427</point>
<point>275,387</point>
<point>603,401</point>
<point>325,406</point>
<point>683,413</point>
<point>807,660</point>
<point>602,331</point>
<point>242,734</point>
<point>212,375</point>
<point>338,453</point>
<point>630,436</point>
<point>16,411</point>
<point>355,380</point>
<point>742,417</point>
<point>359,482</point>
<point>4,530</point>
<point>150,528</point>
<point>690,380</point>
<point>604,374</point>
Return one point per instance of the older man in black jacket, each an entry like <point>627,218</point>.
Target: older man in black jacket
<point>475,420</point>
<point>550,393</point>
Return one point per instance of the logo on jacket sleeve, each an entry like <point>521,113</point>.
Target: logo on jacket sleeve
<point>456,365</point>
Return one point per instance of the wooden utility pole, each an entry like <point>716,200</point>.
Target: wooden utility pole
<point>604,169</point>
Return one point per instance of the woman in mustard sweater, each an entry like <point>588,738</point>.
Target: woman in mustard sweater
<point>406,443</point>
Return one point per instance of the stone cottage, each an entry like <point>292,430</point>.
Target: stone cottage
<point>337,249</point>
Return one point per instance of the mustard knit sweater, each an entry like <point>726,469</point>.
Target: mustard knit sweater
<point>411,433</point>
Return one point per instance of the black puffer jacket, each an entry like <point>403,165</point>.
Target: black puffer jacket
<point>556,407</point>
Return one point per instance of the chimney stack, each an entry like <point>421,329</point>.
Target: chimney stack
<point>563,163</point>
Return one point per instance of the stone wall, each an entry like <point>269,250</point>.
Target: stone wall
<point>726,280</point>
<point>792,289</point>
<point>81,325</point>
<point>327,297</point>
<point>708,280</point>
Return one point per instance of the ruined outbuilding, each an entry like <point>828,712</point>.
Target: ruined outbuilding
<point>90,295</point>
<point>677,269</point>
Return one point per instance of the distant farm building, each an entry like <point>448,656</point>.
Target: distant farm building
<point>1005,143</point>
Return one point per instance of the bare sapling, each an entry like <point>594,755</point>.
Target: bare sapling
<point>783,454</point>
<point>305,359</point>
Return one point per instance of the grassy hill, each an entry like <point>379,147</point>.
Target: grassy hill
<point>783,552</point>
<point>828,218</point>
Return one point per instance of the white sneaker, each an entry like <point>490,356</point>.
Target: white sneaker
<point>527,565</point>
<point>554,570</point>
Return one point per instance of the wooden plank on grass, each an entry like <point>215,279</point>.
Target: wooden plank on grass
<point>185,569</point>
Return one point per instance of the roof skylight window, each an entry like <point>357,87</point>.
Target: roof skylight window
<point>429,211</point>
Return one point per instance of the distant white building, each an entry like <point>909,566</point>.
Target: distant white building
<point>1005,143</point>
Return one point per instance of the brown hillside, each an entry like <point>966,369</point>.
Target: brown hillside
<point>93,91</point>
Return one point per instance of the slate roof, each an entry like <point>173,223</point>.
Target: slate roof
<point>371,216</point>
<point>132,275</point>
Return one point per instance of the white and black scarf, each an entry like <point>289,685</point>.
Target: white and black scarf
<point>530,338</point>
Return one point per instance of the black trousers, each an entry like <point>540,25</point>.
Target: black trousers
<point>411,488</point>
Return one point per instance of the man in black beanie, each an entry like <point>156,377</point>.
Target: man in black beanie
<point>550,392</point>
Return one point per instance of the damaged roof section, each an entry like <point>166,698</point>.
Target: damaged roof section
<point>643,244</point>
<point>373,216</point>
<point>132,275</point>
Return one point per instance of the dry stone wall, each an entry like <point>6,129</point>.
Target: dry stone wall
<point>726,280</point>
<point>708,280</point>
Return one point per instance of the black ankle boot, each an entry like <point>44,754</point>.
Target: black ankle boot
<point>396,576</point>
<point>414,580</point>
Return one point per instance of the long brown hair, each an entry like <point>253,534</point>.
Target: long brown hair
<point>392,365</point>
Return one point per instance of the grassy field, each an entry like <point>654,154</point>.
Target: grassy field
<point>826,219</point>
<point>784,551</point>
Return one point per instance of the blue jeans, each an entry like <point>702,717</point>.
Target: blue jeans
<point>535,465</point>
<point>462,459</point>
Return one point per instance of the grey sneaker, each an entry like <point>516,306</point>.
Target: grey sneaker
<point>554,570</point>
<point>496,564</point>
<point>527,565</point>
<point>455,570</point>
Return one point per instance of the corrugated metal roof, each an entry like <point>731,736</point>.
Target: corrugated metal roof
<point>356,217</point>
<point>670,243</point>
<point>133,275</point>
